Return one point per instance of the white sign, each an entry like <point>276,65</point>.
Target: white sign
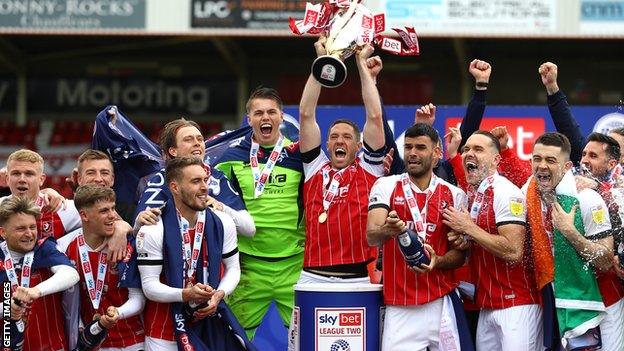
<point>340,329</point>
<point>469,17</point>
<point>601,17</point>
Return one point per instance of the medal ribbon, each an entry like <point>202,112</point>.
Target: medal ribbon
<point>478,200</point>
<point>94,288</point>
<point>190,255</point>
<point>260,179</point>
<point>329,194</point>
<point>9,266</point>
<point>412,204</point>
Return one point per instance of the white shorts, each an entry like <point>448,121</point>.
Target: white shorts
<point>517,328</point>
<point>153,344</point>
<point>612,327</point>
<point>412,328</point>
<point>311,278</point>
<point>135,347</point>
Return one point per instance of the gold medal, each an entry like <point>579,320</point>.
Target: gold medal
<point>322,217</point>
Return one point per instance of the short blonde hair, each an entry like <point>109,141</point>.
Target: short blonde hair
<point>25,155</point>
<point>16,205</point>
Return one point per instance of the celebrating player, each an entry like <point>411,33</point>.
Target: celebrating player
<point>336,188</point>
<point>420,295</point>
<point>99,294</point>
<point>38,272</point>
<point>184,289</point>
<point>510,316</point>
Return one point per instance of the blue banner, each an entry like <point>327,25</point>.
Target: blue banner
<point>524,123</point>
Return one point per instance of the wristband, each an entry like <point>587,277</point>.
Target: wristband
<point>481,85</point>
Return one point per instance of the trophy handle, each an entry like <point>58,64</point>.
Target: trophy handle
<point>329,71</point>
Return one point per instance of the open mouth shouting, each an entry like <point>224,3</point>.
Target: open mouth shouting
<point>266,129</point>
<point>544,179</point>
<point>471,168</point>
<point>340,153</point>
<point>586,169</point>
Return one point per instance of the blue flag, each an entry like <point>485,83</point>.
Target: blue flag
<point>134,155</point>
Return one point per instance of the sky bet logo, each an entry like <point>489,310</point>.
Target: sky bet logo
<point>343,319</point>
<point>340,329</point>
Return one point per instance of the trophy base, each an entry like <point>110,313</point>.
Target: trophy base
<point>329,71</point>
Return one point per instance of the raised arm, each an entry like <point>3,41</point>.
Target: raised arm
<point>562,117</point>
<point>309,131</point>
<point>373,128</point>
<point>480,71</point>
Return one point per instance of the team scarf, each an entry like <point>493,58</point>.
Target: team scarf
<point>44,255</point>
<point>211,333</point>
<point>9,266</point>
<point>577,297</point>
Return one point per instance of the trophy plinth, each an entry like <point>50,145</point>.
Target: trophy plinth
<point>329,71</point>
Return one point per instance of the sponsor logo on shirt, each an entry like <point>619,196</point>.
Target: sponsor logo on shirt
<point>516,207</point>
<point>598,215</point>
<point>443,204</point>
<point>46,227</point>
<point>399,200</point>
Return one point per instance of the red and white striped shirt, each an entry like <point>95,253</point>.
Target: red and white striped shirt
<point>45,324</point>
<point>341,238</point>
<point>126,332</point>
<point>158,320</point>
<point>501,284</point>
<point>401,285</point>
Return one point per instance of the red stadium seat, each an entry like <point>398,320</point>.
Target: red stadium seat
<point>75,132</point>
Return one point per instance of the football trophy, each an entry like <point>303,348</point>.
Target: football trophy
<point>348,25</point>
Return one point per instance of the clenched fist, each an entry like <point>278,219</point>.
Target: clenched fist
<point>548,72</point>
<point>480,70</point>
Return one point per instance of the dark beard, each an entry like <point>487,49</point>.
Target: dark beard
<point>425,169</point>
<point>193,206</point>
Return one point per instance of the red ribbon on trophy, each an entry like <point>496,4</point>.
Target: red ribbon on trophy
<point>348,24</point>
